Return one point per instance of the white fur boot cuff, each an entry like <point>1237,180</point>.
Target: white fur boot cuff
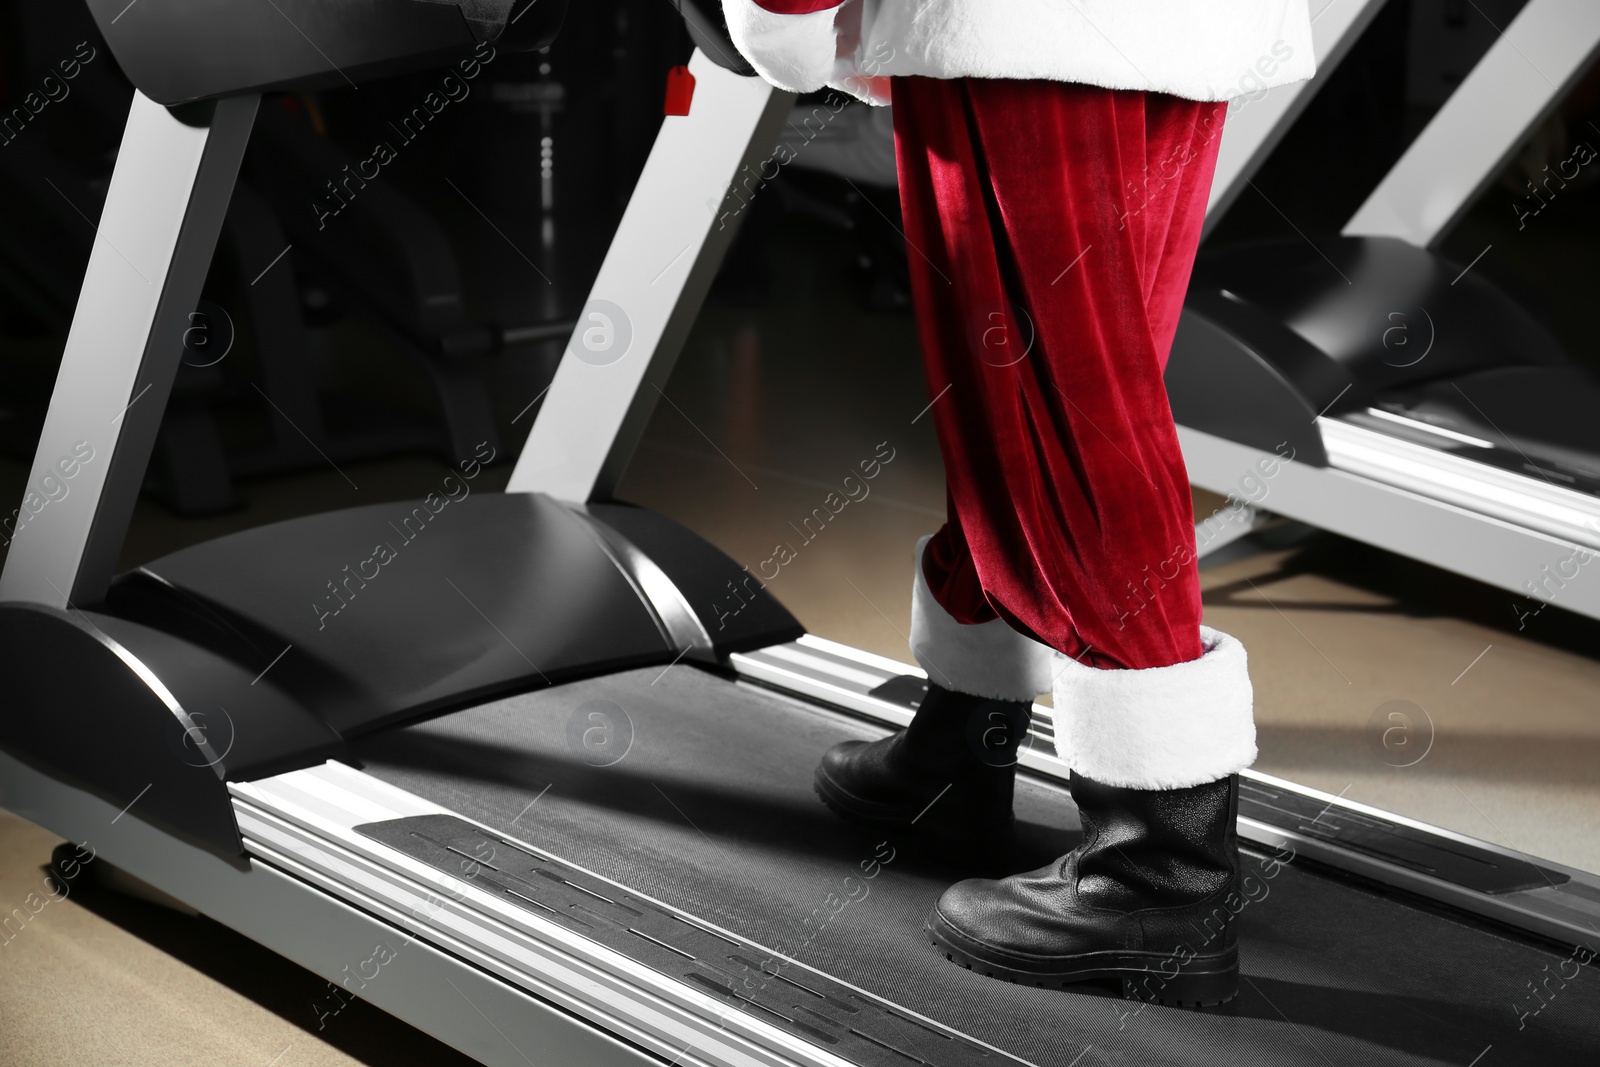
<point>986,659</point>
<point>1160,728</point>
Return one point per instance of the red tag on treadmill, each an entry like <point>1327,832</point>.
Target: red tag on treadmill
<point>680,90</point>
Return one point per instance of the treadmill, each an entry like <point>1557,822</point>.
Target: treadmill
<point>1427,413</point>
<point>532,770</point>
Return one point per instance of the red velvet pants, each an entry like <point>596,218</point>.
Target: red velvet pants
<point>1051,230</point>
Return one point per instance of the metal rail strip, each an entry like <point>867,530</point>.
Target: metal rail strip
<point>319,824</point>
<point>1416,502</point>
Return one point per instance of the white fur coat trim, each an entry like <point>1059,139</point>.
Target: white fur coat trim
<point>793,52</point>
<point>1197,49</point>
<point>1160,728</point>
<point>986,659</point>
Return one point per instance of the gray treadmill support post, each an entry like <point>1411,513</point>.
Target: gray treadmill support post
<point>679,222</point>
<point>1256,123</point>
<point>153,246</point>
<point>1516,85</point>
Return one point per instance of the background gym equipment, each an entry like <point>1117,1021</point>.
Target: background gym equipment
<point>1428,413</point>
<point>275,390</point>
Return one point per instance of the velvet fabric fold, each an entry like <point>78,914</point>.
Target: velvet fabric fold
<point>1051,230</point>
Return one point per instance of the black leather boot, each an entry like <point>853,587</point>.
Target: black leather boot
<point>1144,900</point>
<point>945,781</point>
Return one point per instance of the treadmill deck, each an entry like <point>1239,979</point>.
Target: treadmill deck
<point>697,793</point>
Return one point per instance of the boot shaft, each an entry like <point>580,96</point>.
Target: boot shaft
<point>1146,849</point>
<point>952,728</point>
<point>969,742</point>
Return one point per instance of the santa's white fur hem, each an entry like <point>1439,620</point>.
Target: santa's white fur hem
<point>1159,728</point>
<point>793,52</point>
<point>1198,49</point>
<point>986,659</point>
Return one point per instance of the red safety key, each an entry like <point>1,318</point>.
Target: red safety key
<point>680,90</point>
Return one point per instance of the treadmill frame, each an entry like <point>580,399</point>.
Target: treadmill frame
<point>323,896</point>
<point>276,897</point>
<point>152,249</point>
<point>1500,528</point>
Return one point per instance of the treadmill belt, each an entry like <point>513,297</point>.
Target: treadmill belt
<point>696,791</point>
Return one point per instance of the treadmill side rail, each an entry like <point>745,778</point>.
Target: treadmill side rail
<point>1547,899</point>
<point>328,825</point>
<point>437,990</point>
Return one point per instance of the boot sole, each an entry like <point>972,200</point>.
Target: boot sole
<point>1203,982</point>
<point>982,845</point>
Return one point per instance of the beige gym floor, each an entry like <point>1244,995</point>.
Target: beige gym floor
<point>770,410</point>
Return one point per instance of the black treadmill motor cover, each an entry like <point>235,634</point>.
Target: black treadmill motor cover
<point>183,51</point>
<point>1277,333</point>
<point>1380,313</point>
<point>401,609</point>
